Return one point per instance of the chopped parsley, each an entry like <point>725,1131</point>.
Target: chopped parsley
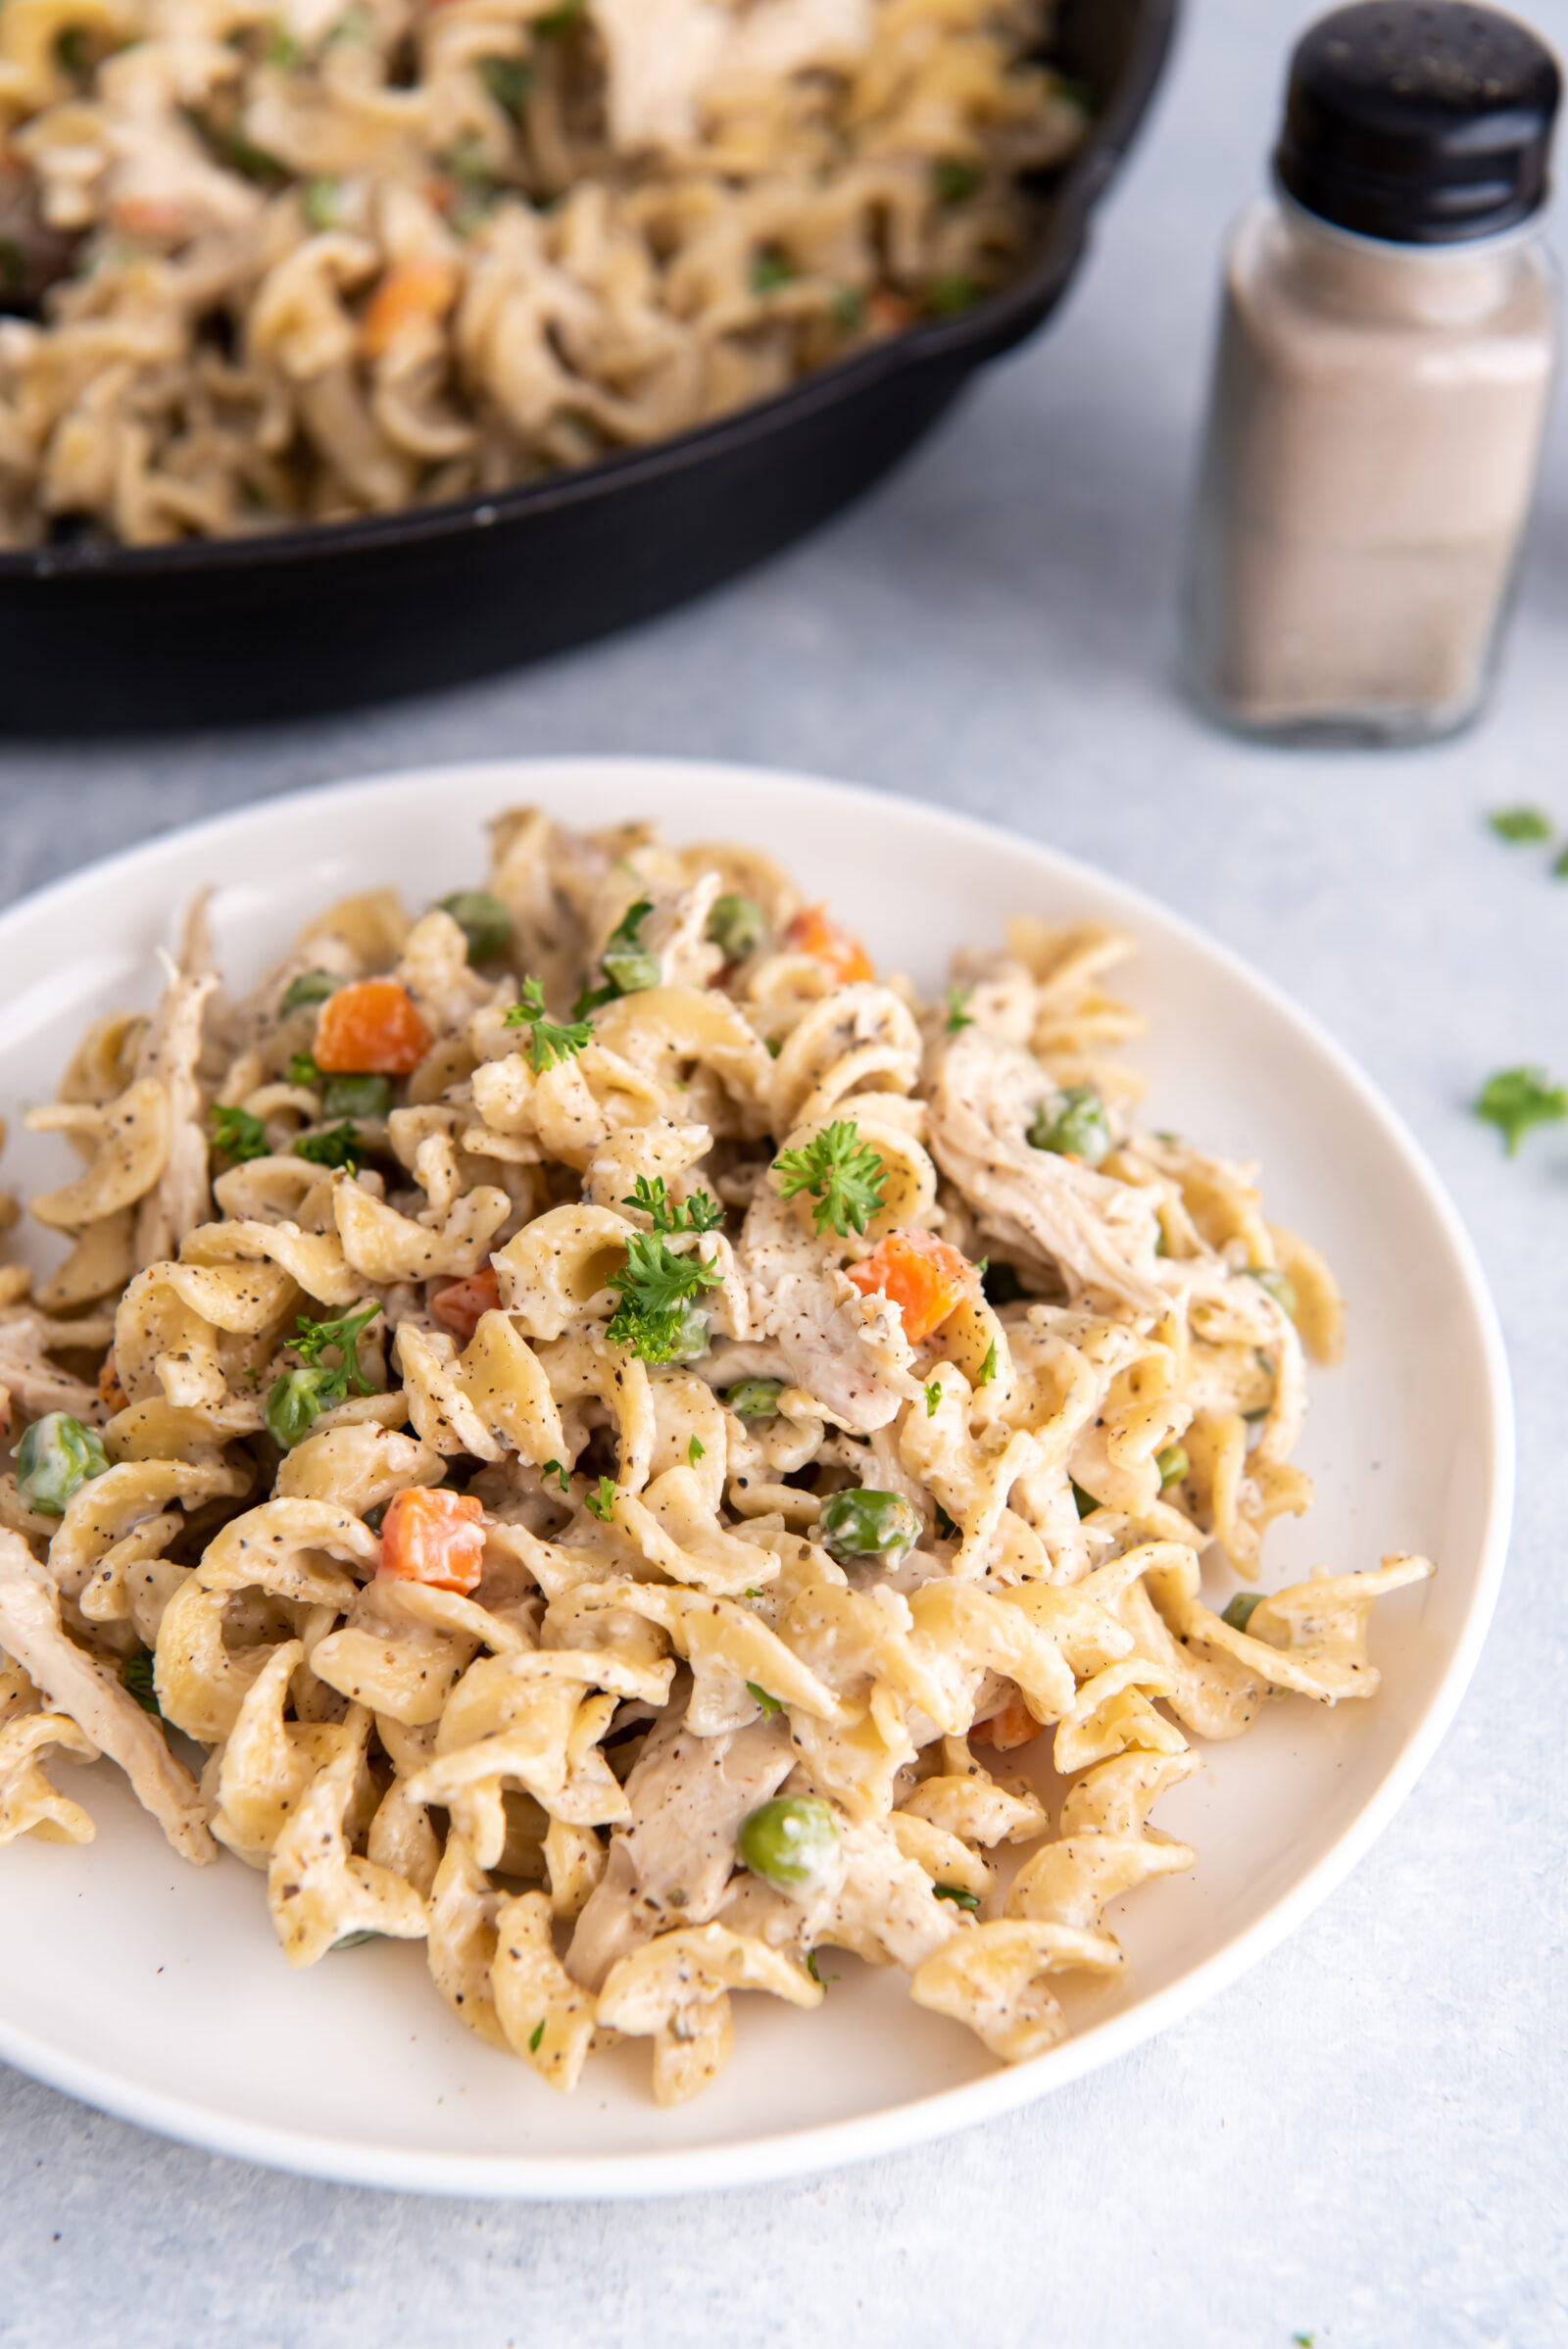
<point>236,1133</point>
<point>959,1899</point>
<point>954,177</point>
<point>1086,1503</point>
<point>1517,1099</point>
<point>843,1175</point>
<point>957,1016</point>
<point>311,985</point>
<point>298,1398</point>
<point>535,2036</point>
<point>553,1468</point>
<point>988,1368</point>
<point>601,1504</point>
<point>696,1451</point>
<point>933,1399</point>
<point>658,1288</point>
<point>548,1042</point>
<point>946,1526</point>
<point>508,80</point>
<point>771,1704</point>
<point>770,270</point>
<point>699,1213</point>
<point>339,1146</point>
<point>1520,823</point>
<point>136,1677</point>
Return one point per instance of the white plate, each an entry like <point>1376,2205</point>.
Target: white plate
<point>156,1991</point>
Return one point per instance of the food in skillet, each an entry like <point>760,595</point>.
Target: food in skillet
<point>271,264</point>
<point>615,1429</point>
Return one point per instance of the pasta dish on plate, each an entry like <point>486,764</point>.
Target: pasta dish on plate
<point>590,1429</point>
<point>274,261</point>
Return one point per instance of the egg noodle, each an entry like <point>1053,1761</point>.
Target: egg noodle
<point>614,1419</point>
<point>294,260</point>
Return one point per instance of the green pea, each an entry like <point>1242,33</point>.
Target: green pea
<point>311,986</point>
<point>357,1096</point>
<point>756,1399</point>
<point>861,1524</point>
<point>1239,1614</point>
<point>294,1405</point>
<point>1173,1464</point>
<point>319,199</point>
<point>793,1842</point>
<point>736,924</point>
<point>55,1458</point>
<point>1077,1128</point>
<point>483,920</point>
<point>694,1338</point>
<point>1280,1286</point>
<point>629,969</point>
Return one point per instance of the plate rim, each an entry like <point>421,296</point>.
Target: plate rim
<point>898,2127</point>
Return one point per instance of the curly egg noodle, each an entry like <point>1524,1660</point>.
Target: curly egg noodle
<point>285,261</point>
<point>609,1421</point>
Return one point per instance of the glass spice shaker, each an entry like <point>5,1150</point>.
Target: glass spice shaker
<point>1380,387</point>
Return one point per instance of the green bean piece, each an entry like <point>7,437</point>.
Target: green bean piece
<point>357,1096</point>
<point>1077,1128</point>
<point>311,986</point>
<point>793,1842</point>
<point>1280,1286</point>
<point>860,1524</point>
<point>737,926</point>
<point>55,1458</point>
<point>756,1399</point>
<point>483,920</point>
<point>1239,1614</point>
<point>1173,1464</point>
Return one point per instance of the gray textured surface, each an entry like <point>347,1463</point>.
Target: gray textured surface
<point>1365,2140</point>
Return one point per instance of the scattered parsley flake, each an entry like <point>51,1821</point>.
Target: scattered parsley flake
<point>602,1502</point>
<point>136,1677</point>
<point>339,1146</point>
<point>843,1175</point>
<point>956,1895</point>
<point>1518,824</point>
<point>957,1016</point>
<point>1086,1503</point>
<point>771,1704</point>
<point>548,1042</point>
<point>236,1133</point>
<point>988,1368</point>
<point>535,2036</point>
<point>933,1399</point>
<point>694,1451</point>
<point>555,1469</point>
<point>1517,1099</point>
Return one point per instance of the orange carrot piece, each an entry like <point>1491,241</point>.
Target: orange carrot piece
<point>919,1274</point>
<point>461,1305</point>
<point>110,1393</point>
<point>413,293</point>
<point>371,1029</point>
<point>435,1537</point>
<point>1013,1726</point>
<point>812,933</point>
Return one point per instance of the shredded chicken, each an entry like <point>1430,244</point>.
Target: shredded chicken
<point>74,1684</point>
<point>169,1051</point>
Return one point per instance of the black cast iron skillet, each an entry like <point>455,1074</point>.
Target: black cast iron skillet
<point>99,639</point>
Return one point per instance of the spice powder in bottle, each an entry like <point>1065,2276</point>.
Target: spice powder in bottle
<point>1382,383</point>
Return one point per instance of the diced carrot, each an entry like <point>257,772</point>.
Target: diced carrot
<point>415,292</point>
<point>110,1393</point>
<point>919,1274</point>
<point>1013,1726</point>
<point>371,1029</point>
<point>889,313</point>
<point>459,1305</point>
<point>434,1538</point>
<point>812,933</point>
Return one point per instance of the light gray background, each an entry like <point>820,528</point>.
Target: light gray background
<point>1365,2140</point>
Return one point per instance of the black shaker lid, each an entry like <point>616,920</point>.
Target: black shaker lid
<point>1424,121</point>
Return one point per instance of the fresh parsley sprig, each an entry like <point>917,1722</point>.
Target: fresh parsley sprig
<point>658,1291</point>
<point>699,1213</point>
<point>548,1042</point>
<point>601,1503</point>
<point>843,1174</point>
<point>299,1397</point>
